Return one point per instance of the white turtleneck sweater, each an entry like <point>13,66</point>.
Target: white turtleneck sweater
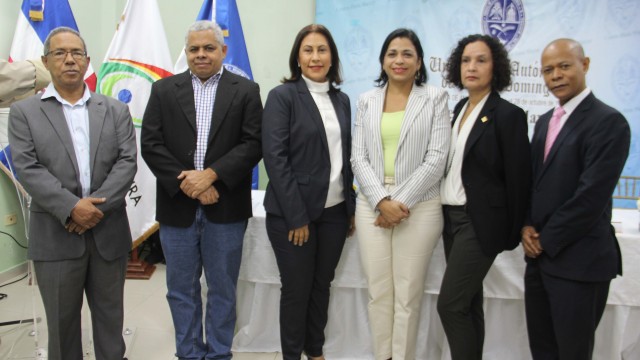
<point>320,94</point>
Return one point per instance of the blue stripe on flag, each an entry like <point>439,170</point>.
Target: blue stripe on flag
<point>222,13</point>
<point>228,18</point>
<point>205,11</point>
<point>36,5</point>
<point>56,13</point>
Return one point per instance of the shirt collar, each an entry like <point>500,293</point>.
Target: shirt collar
<point>317,87</point>
<point>572,104</point>
<point>51,91</point>
<point>213,78</point>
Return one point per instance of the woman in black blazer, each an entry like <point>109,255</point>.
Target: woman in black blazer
<point>485,189</point>
<point>310,201</point>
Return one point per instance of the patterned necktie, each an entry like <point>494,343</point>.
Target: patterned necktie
<point>554,128</point>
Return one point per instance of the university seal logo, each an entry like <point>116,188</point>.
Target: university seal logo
<point>236,70</point>
<point>504,20</point>
<point>358,46</point>
<point>623,12</point>
<point>625,78</point>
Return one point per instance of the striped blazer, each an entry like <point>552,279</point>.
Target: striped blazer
<point>422,147</point>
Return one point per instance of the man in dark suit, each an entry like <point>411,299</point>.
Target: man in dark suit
<point>571,250</point>
<point>201,139</point>
<point>75,153</point>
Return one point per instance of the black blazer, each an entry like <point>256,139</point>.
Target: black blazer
<point>496,173</point>
<point>168,143</point>
<point>571,194</point>
<point>296,154</point>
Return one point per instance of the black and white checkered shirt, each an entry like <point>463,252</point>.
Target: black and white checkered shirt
<point>204,94</point>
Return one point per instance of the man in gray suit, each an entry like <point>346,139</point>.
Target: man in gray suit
<point>75,153</point>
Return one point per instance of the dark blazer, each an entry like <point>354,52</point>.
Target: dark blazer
<point>168,144</point>
<point>296,154</point>
<point>571,194</point>
<point>45,161</point>
<point>496,173</point>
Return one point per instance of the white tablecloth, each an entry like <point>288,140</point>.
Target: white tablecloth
<point>348,336</point>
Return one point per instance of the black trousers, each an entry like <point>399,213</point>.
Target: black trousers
<point>562,314</point>
<point>306,273</point>
<point>460,299</point>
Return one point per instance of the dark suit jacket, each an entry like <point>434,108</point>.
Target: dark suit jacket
<point>296,154</point>
<point>571,194</point>
<point>45,161</point>
<point>168,144</point>
<point>496,173</point>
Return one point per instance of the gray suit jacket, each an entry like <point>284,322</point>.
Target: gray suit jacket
<point>45,161</point>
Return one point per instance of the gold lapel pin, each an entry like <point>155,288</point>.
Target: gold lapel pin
<point>484,119</point>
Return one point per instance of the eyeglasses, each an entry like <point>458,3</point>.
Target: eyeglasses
<point>62,54</point>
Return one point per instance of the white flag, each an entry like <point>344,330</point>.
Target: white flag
<point>137,57</point>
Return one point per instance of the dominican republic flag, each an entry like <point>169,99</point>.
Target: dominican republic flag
<point>137,57</point>
<point>225,13</point>
<point>36,20</point>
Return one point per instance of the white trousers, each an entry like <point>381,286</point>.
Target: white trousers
<point>395,264</point>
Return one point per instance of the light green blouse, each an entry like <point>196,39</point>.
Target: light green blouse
<point>390,131</point>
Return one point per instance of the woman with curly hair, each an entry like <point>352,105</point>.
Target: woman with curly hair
<point>485,189</point>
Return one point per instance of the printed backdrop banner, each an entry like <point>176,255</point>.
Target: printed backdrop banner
<point>137,57</point>
<point>608,30</point>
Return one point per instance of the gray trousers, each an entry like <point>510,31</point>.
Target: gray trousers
<point>460,299</point>
<point>62,284</point>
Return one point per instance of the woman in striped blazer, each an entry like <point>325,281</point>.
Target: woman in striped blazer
<point>399,151</point>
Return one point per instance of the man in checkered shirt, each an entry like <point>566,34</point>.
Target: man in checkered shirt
<point>201,139</point>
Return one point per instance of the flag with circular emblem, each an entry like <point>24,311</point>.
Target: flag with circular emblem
<point>137,57</point>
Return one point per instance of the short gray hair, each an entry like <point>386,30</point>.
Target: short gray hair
<point>58,30</point>
<point>205,25</point>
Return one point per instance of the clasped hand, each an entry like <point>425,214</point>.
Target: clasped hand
<point>85,215</point>
<point>197,184</point>
<point>531,242</point>
<point>392,213</point>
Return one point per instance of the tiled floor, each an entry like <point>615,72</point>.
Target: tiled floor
<point>147,318</point>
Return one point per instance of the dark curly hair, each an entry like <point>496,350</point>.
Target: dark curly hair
<point>421,75</point>
<point>501,65</point>
<point>333,76</point>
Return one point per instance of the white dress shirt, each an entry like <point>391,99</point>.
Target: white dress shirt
<point>320,94</point>
<point>571,105</point>
<point>451,189</point>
